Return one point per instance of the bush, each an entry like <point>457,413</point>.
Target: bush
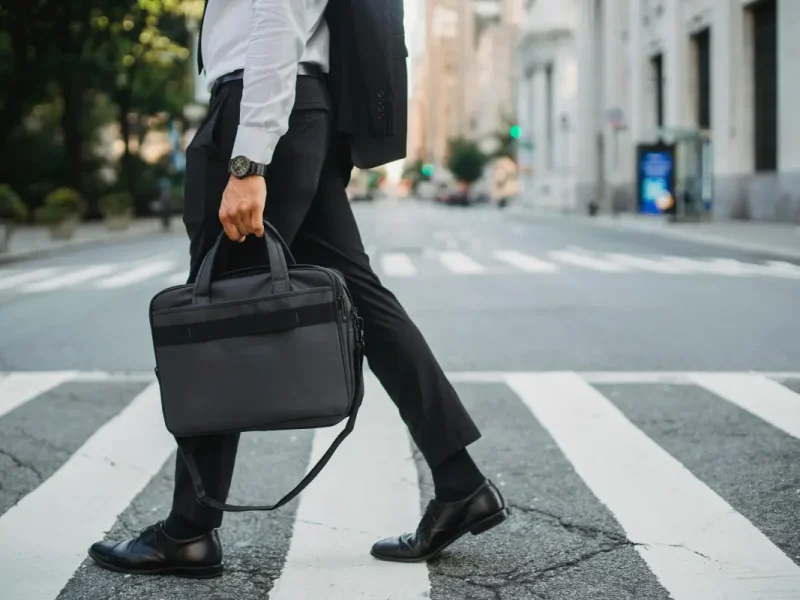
<point>12,208</point>
<point>466,160</point>
<point>59,205</point>
<point>116,204</point>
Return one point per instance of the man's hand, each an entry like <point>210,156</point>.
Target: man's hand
<point>242,209</point>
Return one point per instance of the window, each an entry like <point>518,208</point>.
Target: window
<point>549,116</point>
<point>702,43</point>
<point>657,69</point>
<point>765,62</point>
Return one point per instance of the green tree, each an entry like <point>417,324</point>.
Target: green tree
<point>415,174</point>
<point>71,54</point>
<point>506,144</point>
<point>142,54</point>
<point>466,161</point>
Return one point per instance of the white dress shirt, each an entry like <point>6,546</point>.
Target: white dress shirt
<point>268,39</point>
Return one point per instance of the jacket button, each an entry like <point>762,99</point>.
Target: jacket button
<point>381,94</point>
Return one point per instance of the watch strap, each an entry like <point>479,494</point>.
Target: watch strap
<point>258,169</point>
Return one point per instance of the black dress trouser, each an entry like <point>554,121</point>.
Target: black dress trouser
<point>307,204</point>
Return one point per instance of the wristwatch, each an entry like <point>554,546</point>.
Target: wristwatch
<point>241,167</point>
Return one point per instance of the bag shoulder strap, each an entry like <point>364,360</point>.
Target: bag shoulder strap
<point>197,480</point>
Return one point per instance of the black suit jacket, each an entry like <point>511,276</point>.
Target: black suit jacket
<point>368,78</point>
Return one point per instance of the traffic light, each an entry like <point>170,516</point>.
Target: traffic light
<point>427,170</point>
<point>515,131</point>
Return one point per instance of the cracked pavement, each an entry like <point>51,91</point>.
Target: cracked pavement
<point>561,542</point>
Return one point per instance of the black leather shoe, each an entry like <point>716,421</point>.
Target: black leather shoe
<point>443,523</point>
<point>153,552</point>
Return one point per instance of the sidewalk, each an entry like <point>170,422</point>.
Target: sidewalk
<point>776,239</point>
<point>34,241</point>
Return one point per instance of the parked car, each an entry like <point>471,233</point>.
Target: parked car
<point>454,198</point>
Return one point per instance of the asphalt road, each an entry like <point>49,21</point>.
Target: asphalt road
<point>638,399</point>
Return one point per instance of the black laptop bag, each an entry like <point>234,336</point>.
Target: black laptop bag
<point>260,349</point>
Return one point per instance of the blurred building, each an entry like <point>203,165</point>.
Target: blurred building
<point>463,76</point>
<point>601,76</point>
<point>494,75</point>
<point>547,97</point>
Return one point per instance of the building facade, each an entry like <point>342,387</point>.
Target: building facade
<point>547,99</point>
<point>464,75</point>
<point>602,76</point>
<point>493,88</point>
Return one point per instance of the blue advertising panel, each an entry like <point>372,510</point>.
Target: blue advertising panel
<point>655,165</point>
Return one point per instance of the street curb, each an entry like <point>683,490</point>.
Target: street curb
<point>666,231</point>
<point>72,246</point>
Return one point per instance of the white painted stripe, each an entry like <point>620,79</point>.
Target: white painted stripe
<point>729,266</point>
<point>780,268</point>
<point>135,275</point>
<point>395,264</point>
<point>681,377</point>
<point>18,388</point>
<point>777,405</point>
<point>69,279</point>
<point>179,278</point>
<point>587,262</point>
<point>775,268</point>
<point>649,264</point>
<point>458,262</point>
<point>115,376</point>
<point>81,501</point>
<point>672,516</point>
<point>25,277</point>
<point>714,266</point>
<point>333,532</point>
<point>525,261</point>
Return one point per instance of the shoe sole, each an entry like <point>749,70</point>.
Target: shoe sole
<point>478,528</point>
<point>207,572</point>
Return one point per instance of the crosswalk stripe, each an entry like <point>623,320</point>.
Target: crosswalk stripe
<point>782,268</point>
<point>727,267</point>
<point>17,388</point>
<point>587,262</point>
<point>135,275</point>
<point>47,533</point>
<point>178,278</point>
<point>397,264</point>
<point>25,277</point>
<point>460,263</point>
<point>770,401</point>
<point>327,556</point>
<point>695,543</point>
<point>69,279</point>
<point>648,264</point>
<point>525,261</point>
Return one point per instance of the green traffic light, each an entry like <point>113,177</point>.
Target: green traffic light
<point>427,170</point>
<point>515,131</point>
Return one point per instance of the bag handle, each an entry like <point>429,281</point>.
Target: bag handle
<point>197,480</point>
<point>277,252</point>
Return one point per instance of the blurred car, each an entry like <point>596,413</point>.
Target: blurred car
<point>458,197</point>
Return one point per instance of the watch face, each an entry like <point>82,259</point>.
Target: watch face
<point>240,166</point>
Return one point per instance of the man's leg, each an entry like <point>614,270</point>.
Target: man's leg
<point>186,543</point>
<point>291,184</point>
<point>404,364</point>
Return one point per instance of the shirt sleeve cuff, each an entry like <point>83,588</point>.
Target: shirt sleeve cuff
<point>256,144</point>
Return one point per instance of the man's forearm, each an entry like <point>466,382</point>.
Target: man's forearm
<point>276,43</point>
